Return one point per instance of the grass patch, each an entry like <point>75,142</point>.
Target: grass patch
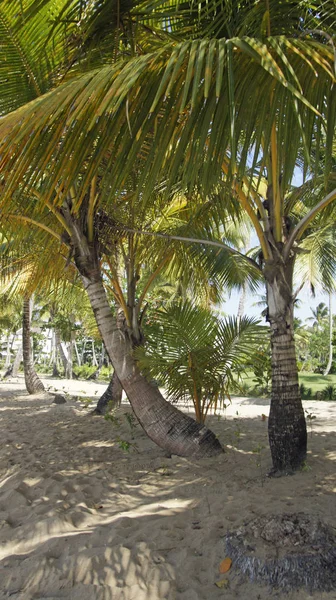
<point>316,381</point>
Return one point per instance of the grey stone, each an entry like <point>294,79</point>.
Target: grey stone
<point>59,399</point>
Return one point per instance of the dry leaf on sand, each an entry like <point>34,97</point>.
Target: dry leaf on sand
<point>225,565</point>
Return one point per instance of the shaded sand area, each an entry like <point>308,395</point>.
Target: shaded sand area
<point>82,518</point>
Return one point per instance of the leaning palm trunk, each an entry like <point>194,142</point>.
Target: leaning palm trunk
<point>33,382</point>
<point>287,426</point>
<point>169,428</point>
<point>111,398</point>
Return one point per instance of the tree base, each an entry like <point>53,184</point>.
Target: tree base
<point>276,473</point>
<point>285,551</point>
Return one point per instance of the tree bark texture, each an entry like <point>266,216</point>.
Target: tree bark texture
<point>70,358</point>
<point>17,362</point>
<point>8,353</point>
<point>33,383</point>
<point>330,358</point>
<point>53,357</point>
<point>111,398</point>
<point>168,427</point>
<point>67,364</point>
<point>287,426</point>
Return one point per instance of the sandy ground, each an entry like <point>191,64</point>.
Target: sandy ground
<point>83,518</point>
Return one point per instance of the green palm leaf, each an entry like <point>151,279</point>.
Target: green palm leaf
<point>112,111</point>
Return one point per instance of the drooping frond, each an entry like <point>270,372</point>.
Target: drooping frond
<point>30,60</point>
<point>193,102</point>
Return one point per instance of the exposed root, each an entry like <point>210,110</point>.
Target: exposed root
<point>287,551</point>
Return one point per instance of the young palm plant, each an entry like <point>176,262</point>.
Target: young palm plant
<point>194,354</point>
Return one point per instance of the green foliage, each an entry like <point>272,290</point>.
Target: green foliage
<point>84,371</point>
<point>305,392</point>
<point>214,65</point>
<point>328,393</point>
<point>105,373</point>
<point>316,381</point>
<point>116,421</point>
<point>44,369</point>
<point>313,346</point>
<point>194,353</point>
<point>132,422</point>
<point>260,365</point>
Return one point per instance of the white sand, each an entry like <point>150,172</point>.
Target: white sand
<point>82,519</point>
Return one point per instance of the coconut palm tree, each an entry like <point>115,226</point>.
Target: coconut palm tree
<point>219,98</point>
<point>330,315</point>
<point>320,313</point>
<point>88,243</point>
<point>34,384</point>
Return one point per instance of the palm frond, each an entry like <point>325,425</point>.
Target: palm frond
<point>112,111</point>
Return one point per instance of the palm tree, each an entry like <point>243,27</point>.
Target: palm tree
<point>33,383</point>
<point>329,363</point>
<point>320,313</point>
<point>10,324</point>
<point>236,98</point>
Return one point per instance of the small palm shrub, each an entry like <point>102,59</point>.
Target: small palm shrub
<point>328,393</point>
<point>193,354</point>
<point>44,369</point>
<point>84,371</point>
<point>306,392</point>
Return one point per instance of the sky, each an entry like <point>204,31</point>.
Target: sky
<point>230,306</point>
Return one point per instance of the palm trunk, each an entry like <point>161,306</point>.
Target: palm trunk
<point>79,363</point>
<point>94,358</point>
<point>169,428</point>
<point>53,359</point>
<point>8,353</point>
<point>83,352</point>
<point>17,362</point>
<point>33,382</point>
<point>68,373</point>
<point>328,367</point>
<point>64,358</point>
<point>242,301</point>
<point>102,356</point>
<point>287,426</point>
<point>111,398</point>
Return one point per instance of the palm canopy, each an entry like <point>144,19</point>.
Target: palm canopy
<point>194,107</point>
<point>30,57</point>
